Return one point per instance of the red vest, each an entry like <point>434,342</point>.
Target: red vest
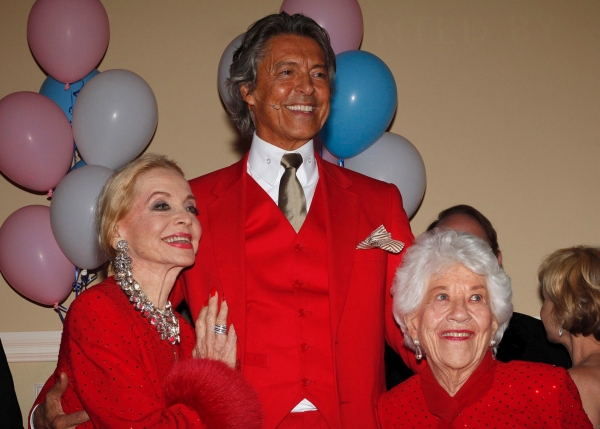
<point>290,353</point>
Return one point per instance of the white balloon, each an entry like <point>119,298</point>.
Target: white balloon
<point>224,64</point>
<point>394,159</point>
<point>114,118</point>
<point>72,215</point>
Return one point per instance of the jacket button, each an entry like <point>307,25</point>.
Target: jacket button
<point>299,248</point>
<point>305,381</point>
<point>302,312</point>
<point>298,283</point>
<point>304,347</point>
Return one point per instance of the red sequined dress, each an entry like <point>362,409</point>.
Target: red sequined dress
<point>125,376</point>
<point>497,395</point>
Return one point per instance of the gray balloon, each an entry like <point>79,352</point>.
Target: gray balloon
<point>72,215</point>
<point>224,64</point>
<point>394,159</point>
<point>114,118</point>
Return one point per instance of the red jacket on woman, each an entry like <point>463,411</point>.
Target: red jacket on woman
<point>508,395</point>
<point>124,376</point>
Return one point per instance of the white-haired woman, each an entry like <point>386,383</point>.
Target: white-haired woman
<point>453,302</point>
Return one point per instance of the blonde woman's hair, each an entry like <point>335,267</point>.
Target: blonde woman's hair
<point>570,278</point>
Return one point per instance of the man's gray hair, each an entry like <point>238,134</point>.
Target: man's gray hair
<point>246,58</point>
<point>433,254</point>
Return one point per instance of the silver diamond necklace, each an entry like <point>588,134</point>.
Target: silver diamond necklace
<point>165,320</point>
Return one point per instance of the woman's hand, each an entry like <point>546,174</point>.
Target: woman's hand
<point>210,345</point>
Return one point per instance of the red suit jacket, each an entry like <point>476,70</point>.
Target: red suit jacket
<point>358,280</point>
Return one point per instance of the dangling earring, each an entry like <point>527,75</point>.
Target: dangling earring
<point>122,261</point>
<point>494,348</point>
<point>418,351</point>
<point>560,332</point>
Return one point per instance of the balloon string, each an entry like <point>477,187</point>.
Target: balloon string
<point>60,310</point>
<point>74,155</point>
<point>71,107</point>
<point>82,280</point>
<point>74,95</point>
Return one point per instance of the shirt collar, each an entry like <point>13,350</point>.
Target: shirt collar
<point>265,160</point>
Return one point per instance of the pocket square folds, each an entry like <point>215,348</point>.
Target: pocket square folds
<point>382,239</point>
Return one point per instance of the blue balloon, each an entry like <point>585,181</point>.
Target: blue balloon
<point>362,106</point>
<point>65,98</point>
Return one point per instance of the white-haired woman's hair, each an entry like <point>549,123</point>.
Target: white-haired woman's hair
<point>433,254</point>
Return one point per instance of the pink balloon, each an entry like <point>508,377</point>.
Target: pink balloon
<point>341,18</point>
<point>30,259</point>
<point>68,37</point>
<point>36,140</point>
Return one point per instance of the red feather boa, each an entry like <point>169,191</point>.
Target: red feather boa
<point>220,395</point>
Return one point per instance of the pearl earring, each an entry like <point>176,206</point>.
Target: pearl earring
<point>494,348</point>
<point>418,351</point>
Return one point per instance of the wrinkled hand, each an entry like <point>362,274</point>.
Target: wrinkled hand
<point>50,415</point>
<point>210,345</point>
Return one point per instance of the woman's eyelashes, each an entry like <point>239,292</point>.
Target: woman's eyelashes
<point>193,210</point>
<point>161,206</point>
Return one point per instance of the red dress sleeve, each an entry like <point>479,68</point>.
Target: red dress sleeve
<point>113,379</point>
<point>400,230</point>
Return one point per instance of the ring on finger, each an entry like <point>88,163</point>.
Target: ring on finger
<point>221,329</point>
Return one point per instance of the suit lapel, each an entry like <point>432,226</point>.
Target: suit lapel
<point>342,214</point>
<point>227,219</point>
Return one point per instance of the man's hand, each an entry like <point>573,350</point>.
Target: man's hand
<point>210,345</point>
<point>50,415</point>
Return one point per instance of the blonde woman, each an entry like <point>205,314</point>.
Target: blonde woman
<point>570,281</point>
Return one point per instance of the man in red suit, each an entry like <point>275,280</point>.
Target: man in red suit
<point>308,294</point>
<point>307,305</point>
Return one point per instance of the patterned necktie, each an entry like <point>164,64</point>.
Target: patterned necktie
<point>291,195</point>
